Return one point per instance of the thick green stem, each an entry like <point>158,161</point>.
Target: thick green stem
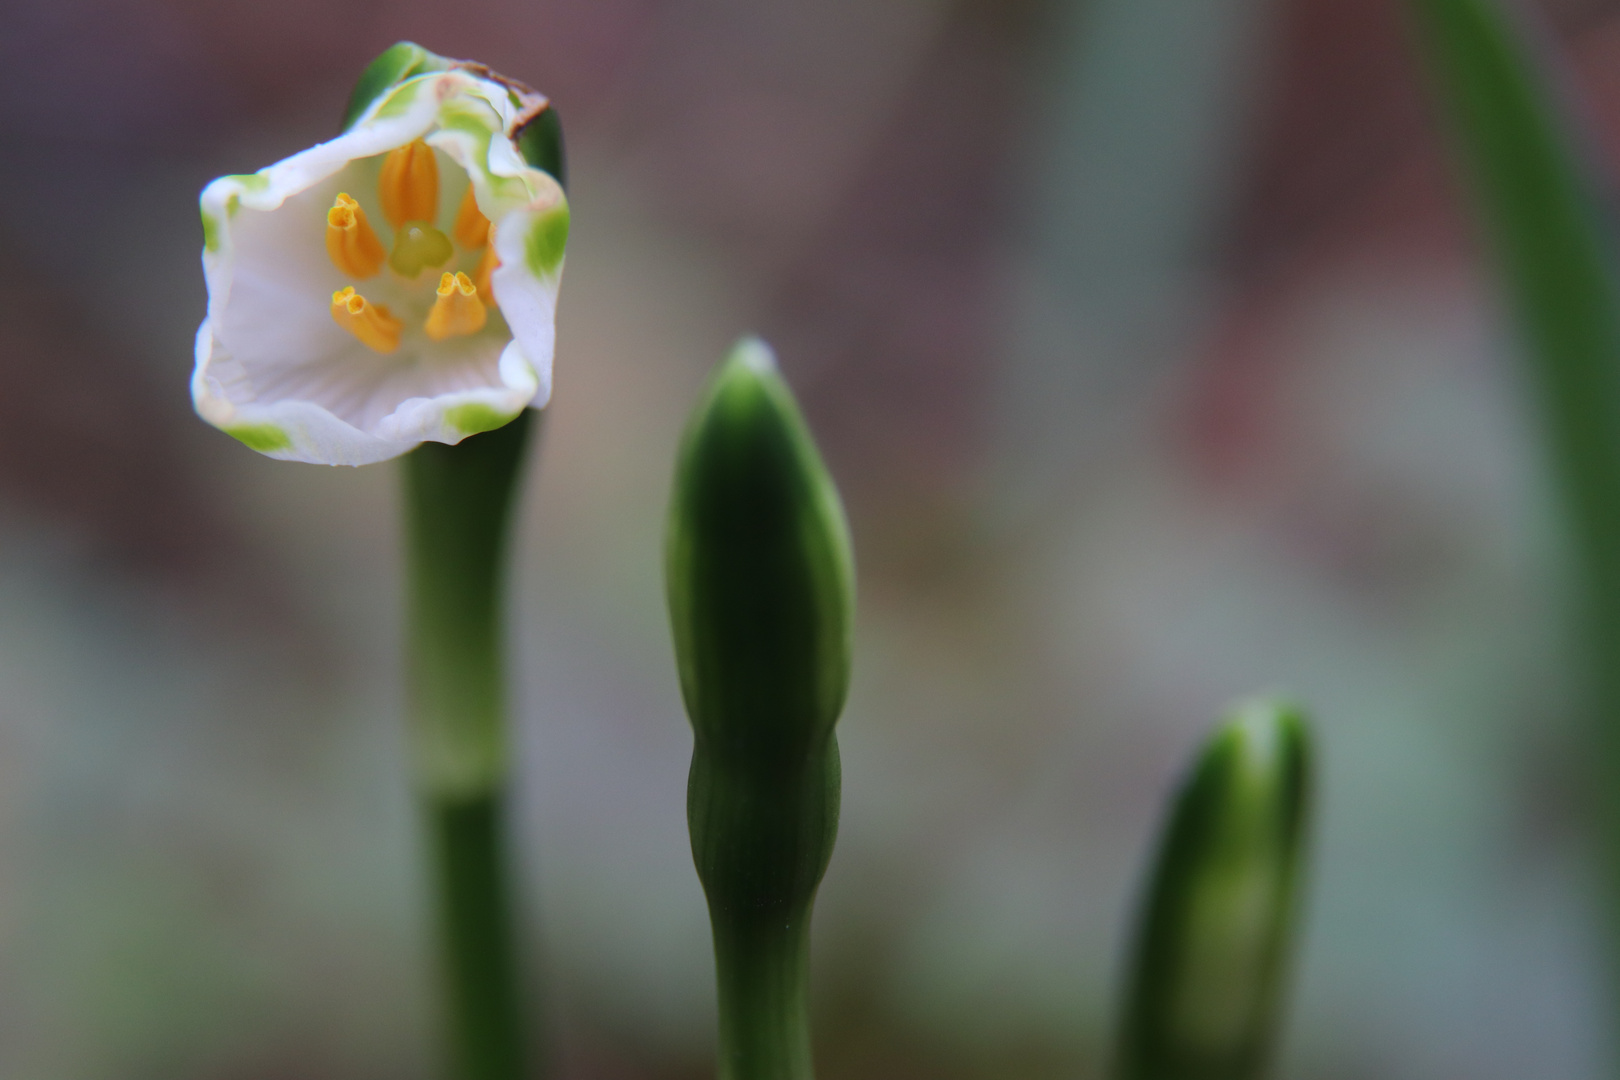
<point>458,502</point>
<point>762,969</point>
<point>481,972</point>
<point>761,838</point>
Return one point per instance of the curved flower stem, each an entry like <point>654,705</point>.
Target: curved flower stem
<point>457,504</point>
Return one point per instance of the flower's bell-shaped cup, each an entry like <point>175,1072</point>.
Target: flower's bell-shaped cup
<point>393,286</point>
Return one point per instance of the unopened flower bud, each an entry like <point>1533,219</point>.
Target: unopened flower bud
<point>1215,930</point>
<point>761,596</point>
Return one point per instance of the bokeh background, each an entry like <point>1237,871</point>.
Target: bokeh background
<point>1149,345</point>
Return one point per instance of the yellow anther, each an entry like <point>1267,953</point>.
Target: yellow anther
<point>472,227</point>
<point>409,184</point>
<point>486,266</point>
<point>371,323</point>
<point>456,309</point>
<point>350,240</point>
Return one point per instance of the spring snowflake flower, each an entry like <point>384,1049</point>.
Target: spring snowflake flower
<point>393,286</point>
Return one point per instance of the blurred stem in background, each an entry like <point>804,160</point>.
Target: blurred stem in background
<point>458,508</point>
<point>760,580</point>
<point>1215,929</point>
<point>1537,194</point>
<point>458,503</point>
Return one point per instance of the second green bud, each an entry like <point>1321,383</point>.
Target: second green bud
<point>1216,926</point>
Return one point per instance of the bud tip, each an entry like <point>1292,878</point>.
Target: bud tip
<point>752,353</point>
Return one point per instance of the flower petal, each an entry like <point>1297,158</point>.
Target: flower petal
<point>530,244</point>
<point>288,429</point>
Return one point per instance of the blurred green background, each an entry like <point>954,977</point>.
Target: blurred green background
<point>1148,345</point>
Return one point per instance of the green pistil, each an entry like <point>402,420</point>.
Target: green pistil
<point>418,246</point>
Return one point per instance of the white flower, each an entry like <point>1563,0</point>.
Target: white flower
<point>355,309</point>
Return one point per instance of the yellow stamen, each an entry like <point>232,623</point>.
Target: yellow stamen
<point>409,184</point>
<point>486,266</point>
<point>371,323</point>
<point>350,240</point>
<point>472,227</point>
<point>456,309</point>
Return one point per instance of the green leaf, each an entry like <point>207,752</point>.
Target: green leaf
<point>1537,197</point>
<point>1216,924</point>
<point>394,65</point>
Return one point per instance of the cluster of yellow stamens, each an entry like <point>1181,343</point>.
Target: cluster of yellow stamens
<point>408,190</point>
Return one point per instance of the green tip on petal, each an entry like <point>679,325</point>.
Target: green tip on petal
<point>210,227</point>
<point>395,64</point>
<point>546,243</point>
<point>265,438</point>
<point>474,418</point>
<point>1215,931</point>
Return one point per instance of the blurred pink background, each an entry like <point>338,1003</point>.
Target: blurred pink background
<point>1151,350</point>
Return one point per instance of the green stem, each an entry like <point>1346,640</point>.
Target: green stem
<point>458,503</point>
<point>762,970</point>
<point>1541,198</point>
<point>761,839</point>
<point>476,931</point>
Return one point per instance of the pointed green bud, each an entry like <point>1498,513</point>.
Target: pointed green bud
<point>761,597</point>
<point>1215,932</point>
<point>760,575</point>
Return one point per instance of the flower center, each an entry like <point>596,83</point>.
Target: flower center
<point>417,246</point>
<point>408,191</point>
